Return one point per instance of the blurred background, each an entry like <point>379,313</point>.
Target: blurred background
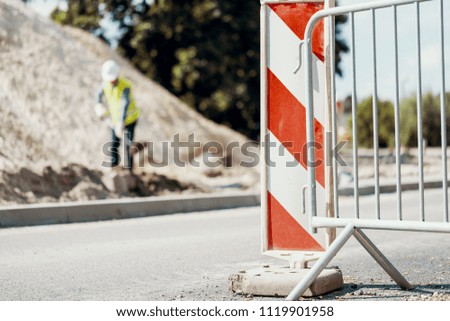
<point>195,67</point>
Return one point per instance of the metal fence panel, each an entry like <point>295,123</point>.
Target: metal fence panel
<point>353,223</point>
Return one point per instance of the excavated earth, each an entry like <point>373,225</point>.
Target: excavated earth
<point>51,143</point>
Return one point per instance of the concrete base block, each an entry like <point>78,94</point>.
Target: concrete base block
<point>280,281</point>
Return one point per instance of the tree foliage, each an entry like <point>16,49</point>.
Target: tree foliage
<point>340,44</point>
<point>431,120</point>
<point>364,123</point>
<point>204,51</point>
<point>81,14</point>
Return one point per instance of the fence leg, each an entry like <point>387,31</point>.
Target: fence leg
<point>382,260</point>
<point>309,278</point>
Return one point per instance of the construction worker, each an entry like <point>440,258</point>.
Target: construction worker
<point>122,114</point>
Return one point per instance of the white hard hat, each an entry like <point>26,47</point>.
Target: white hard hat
<point>110,70</point>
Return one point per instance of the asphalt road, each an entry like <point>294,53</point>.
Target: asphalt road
<point>190,256</point>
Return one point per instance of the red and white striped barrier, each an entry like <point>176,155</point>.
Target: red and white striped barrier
<point>283,122</point>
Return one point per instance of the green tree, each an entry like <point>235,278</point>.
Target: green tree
<point>81,14</point>
<point>205,52</point>
<point>431,120</point>
<point>340,44</point>
<point>364,124</point>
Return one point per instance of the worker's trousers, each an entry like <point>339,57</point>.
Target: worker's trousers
<point>128,137</point>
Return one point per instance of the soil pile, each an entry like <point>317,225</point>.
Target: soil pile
<point>48,78</point>
<point>75,182</point>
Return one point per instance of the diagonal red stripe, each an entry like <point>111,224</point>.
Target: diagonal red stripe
<point>284,232</point>
<point>296,17</point>
<point>287,121</point>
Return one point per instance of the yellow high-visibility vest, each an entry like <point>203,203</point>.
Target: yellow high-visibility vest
<point>113,95</point>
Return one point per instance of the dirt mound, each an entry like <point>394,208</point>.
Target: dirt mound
<point>76,182</point>
<point>48,77</point>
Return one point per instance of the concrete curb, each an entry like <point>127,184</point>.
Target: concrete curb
<point>388,188</point>
<point>101,210</point>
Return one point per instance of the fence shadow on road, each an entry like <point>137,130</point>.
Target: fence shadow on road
<point>387,292</point>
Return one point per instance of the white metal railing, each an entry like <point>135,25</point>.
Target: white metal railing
<point>353,225</point>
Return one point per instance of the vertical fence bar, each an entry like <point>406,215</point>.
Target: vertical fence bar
<point>443,117</point>
<point>354,129</point>
<point>419,115</point>
<point>310,129</point>
<point>334,116</point>
<point>397,121</point>
<point>375,118</point>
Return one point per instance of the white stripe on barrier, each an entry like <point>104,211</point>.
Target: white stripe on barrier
<point>284,177</point>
